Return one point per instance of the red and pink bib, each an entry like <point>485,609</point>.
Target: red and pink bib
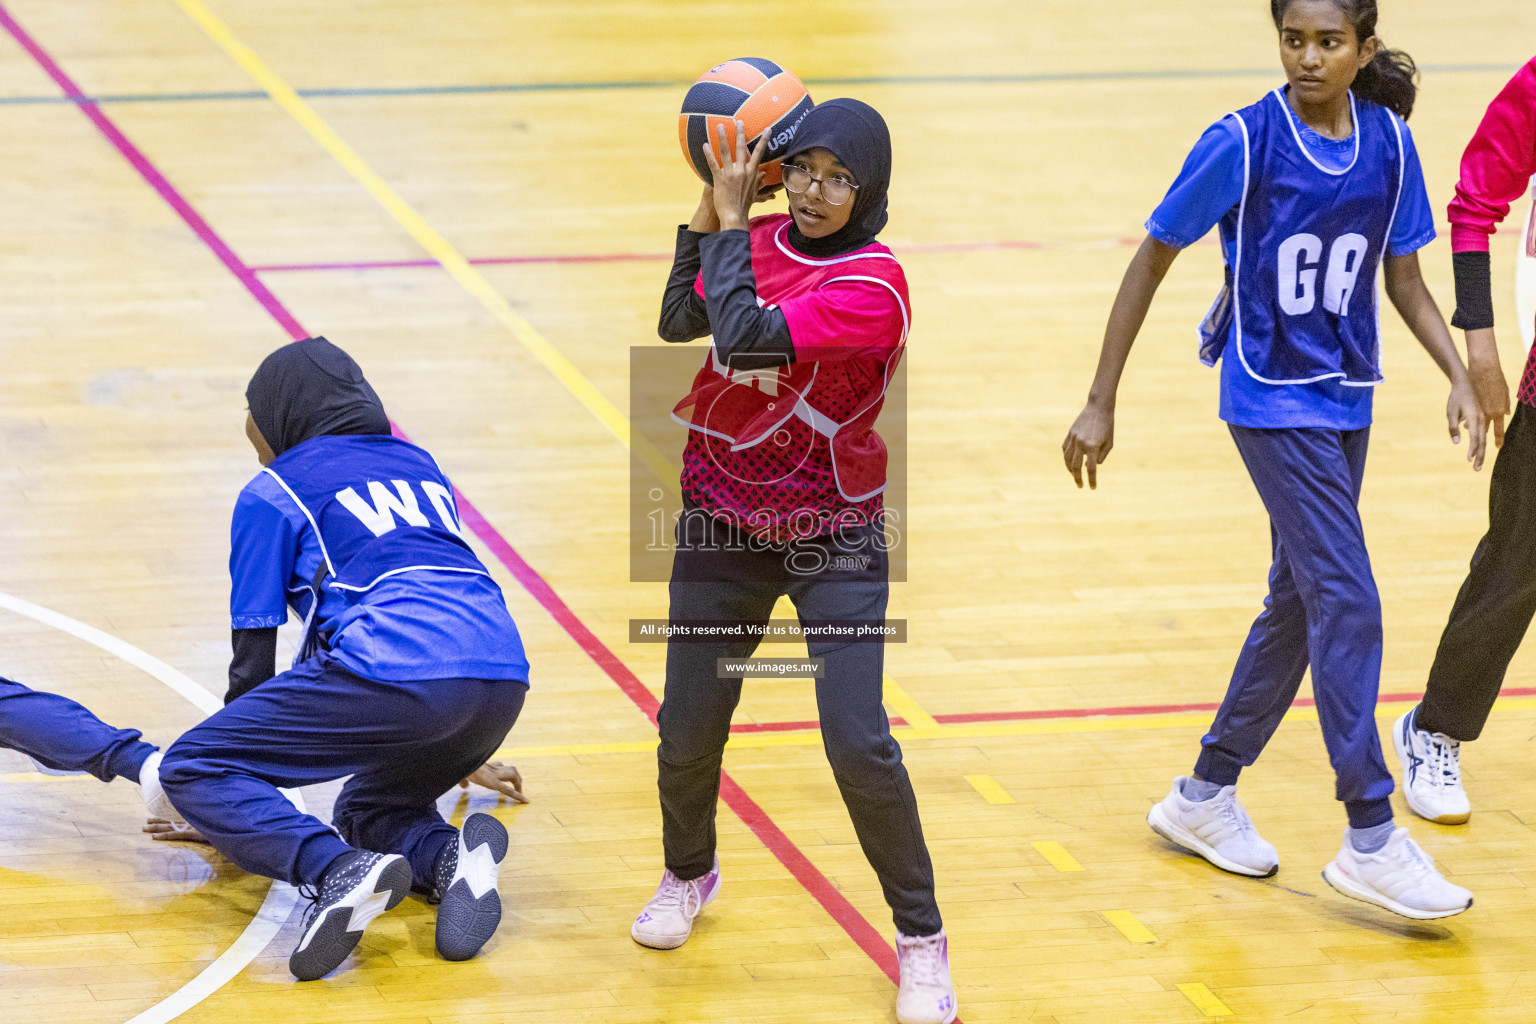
<point>788,451</point>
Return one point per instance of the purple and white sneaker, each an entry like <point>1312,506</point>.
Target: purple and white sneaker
<point>926,996</point>
<point>667,920</point>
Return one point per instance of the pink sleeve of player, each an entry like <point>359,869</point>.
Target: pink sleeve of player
<point>1497,166</point>
<point>843,319</point>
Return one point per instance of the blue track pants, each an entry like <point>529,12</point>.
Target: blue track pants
<point>404,744</point>
<point>66,737</point>
<point>1322,610</point>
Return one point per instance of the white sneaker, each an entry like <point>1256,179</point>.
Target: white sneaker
<point>667,920</point>
<point>154,795</point>
<point>1431,772</point>
<point>1399,877</point>
<point>1218,829</point>
<point>926,996</point>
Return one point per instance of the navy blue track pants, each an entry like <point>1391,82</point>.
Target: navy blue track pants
<point>1322,611</point>
<point>404,744</point>
<point>66,737</point>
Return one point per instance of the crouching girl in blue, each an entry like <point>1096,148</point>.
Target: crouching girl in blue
<point>410,675</point>
<point>1313,187</point>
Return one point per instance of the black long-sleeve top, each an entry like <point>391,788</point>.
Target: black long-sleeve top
<point>254,661</point>
<point>747,336</point>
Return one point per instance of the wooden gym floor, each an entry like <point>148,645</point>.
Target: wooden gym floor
<point>171,211</point>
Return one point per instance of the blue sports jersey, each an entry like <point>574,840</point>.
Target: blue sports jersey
<point>369,524</point>
<point>1279,188</point>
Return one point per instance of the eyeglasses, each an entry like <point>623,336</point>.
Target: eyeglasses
<point>834,190</point>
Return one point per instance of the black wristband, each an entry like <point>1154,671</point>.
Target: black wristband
<point>1474,291</point>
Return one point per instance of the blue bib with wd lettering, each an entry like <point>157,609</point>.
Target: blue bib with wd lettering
<point>360,536</point>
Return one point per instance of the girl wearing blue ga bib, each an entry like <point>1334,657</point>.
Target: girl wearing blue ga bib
<point>1313,188</point>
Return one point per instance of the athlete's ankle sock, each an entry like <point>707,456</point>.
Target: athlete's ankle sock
<point>128,763</point>
<point>340,861</point>
<point>1370,840</point>
<point>1198,790</point>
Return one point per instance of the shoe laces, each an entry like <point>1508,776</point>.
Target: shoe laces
<point>676,893</point>
<point>1234,816</point>
<point>312,894</point>
<point>1442,756</point>
<point>922,960</point>
<point>334,884</point>
<point>1410,856</point>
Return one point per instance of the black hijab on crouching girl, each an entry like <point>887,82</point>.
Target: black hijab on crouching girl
<point>312,389</point>
<point>856,134</point>
<point>302,391</point>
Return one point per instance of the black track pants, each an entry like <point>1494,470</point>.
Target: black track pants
<point>1495,605</point>
<point>712,583</point>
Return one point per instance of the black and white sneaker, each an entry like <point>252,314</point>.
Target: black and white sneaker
<point>355,890</point>
<point>469,907</point>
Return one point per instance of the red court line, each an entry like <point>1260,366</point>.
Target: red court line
<point>1118,711</point>
<point>748,727</point>
<point>763,826</point>
<point>152,175</point>
<point>490,261</point>
<point>937,248</point>
<point>657,257</point>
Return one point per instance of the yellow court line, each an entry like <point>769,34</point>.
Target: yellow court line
<point>801,738</point>
<point>1129,926</point>
<point>900,701</point>
<point>451,260</point>
<point>1204,999</point>
<point>438,247</point>
<point>812,737</point>
<point>1057,854</point>
<point>41,777</point>
<point>989,788</point>
<point>574,750</point>
<point>1055,726</point>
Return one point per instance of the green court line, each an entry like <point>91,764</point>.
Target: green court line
<point>491,89</point>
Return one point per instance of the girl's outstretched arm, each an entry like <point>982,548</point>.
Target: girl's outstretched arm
<point>1093,434</point>
<point>1405,287</point>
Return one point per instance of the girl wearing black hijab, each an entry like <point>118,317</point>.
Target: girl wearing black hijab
<point>782,480</point>
<point>410,674</point>
<point>308,389</point>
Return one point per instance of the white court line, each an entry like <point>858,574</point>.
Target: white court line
<point>281,896</point>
